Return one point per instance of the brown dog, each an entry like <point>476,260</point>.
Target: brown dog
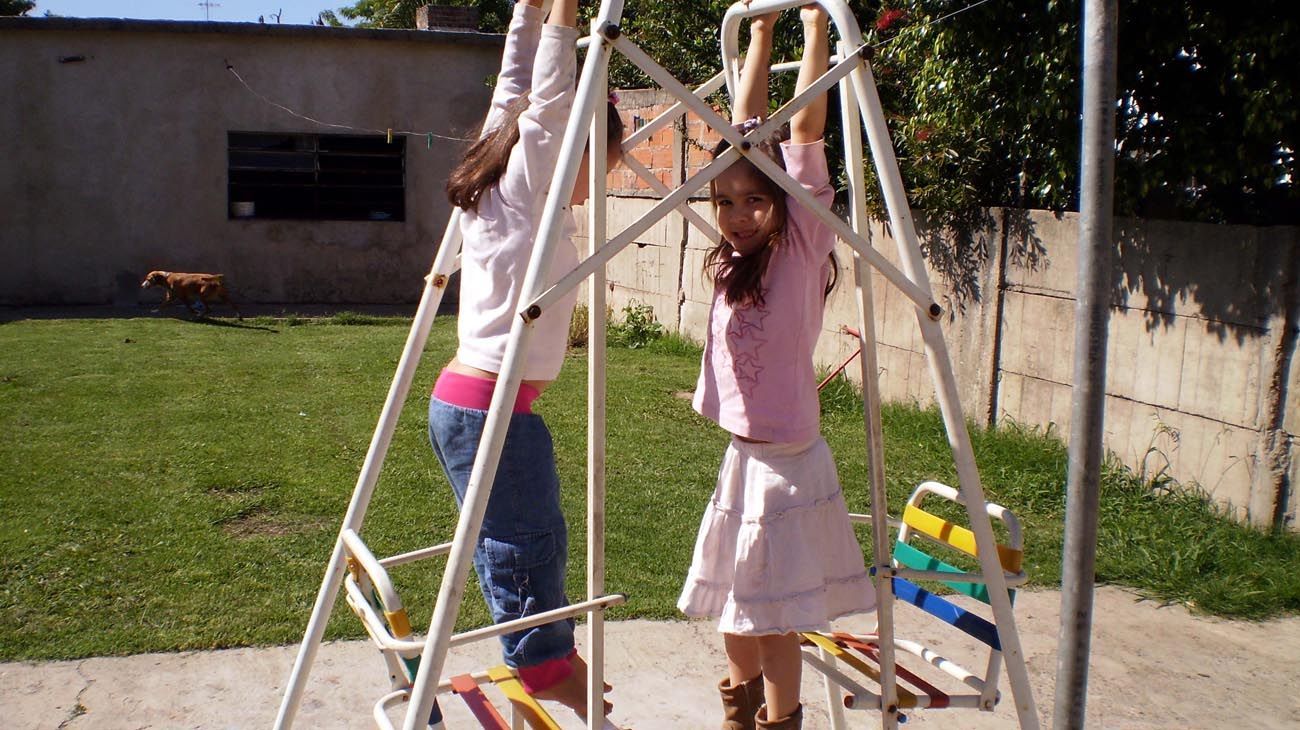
<point>190,288</point>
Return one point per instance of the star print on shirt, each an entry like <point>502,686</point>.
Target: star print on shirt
<point>744,348</point>
<point>747,370</point>
<point>744,343</point>
<point>747,322</point>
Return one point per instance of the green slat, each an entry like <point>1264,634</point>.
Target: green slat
<point>917,560</point>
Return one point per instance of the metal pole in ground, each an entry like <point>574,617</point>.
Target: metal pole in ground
<point>1092,314</point>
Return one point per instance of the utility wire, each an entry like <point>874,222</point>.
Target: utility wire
<point>429,136</point>
<point>936,21</point>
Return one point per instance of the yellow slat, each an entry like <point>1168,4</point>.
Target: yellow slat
<point>399,623</point>
<point>957,537</point>
<point>905,698</point>
<point>513,689</point>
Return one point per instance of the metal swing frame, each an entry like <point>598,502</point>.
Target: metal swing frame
<point>861,109</point>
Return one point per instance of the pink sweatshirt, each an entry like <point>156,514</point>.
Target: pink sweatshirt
<point>757,378</point>
<point>498,237</point>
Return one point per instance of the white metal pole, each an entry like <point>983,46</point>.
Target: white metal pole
<point>870,371</point>
<point>597,163</point>
<point>507,388</point>
<point>434,287</point>
<point>946,393</point>
<point>1092,316</point>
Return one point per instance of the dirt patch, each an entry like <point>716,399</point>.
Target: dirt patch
<point>259,521</point>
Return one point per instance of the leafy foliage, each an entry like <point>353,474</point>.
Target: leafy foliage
<point>983,101</point>
<point>638,327</point>
<point>1209,111</point>
<point>494,15</point>
<point>16,7</point>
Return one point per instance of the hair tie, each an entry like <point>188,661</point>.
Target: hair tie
<point>749,125</point>
<point>613,98</point>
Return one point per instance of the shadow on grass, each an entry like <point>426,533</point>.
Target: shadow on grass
<point>227,323</point>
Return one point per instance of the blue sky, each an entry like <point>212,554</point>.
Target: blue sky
<point>299,12</point>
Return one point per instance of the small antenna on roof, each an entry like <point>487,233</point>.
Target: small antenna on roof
<point>207,6</point>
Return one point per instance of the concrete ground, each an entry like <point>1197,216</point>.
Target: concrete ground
<point>1152,667</point>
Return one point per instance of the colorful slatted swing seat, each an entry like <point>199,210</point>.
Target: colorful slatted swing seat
<point>921,533</point>
<point>373,598</point>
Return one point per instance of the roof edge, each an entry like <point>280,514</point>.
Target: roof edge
<point>129,25</point>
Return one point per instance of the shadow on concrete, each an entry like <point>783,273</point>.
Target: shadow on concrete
<point>961,256</point>
<point>1234,279</point>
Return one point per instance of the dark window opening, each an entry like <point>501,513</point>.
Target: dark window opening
<point>316,176</point>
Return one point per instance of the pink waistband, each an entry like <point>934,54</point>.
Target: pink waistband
<point>470,391</point>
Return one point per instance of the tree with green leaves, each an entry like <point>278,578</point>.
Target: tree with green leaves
<point>983,99</point>
<point>494,15</point>
<point>16,7</point>
<point>985,107</point>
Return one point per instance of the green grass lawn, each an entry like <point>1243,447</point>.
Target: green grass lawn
<point>171,484</point>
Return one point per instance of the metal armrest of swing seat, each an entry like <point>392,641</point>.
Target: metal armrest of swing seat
<point>378,629</point>
<point>864,518</point>
<point>369,591</point>
<point>1015,535</point>
<point>388,701</point>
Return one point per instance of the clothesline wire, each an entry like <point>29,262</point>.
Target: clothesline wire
<point>407,133</point>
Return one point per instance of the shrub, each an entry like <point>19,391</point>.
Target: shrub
<point>638,328</point>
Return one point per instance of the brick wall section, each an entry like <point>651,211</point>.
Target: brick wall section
<point>446,17</point>
<point>666,150</point>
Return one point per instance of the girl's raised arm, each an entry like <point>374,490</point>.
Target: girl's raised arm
<point>541,126</point>
<point>516,74</point>
<point>563,12</point>
<point>809,123</point>
<point>751,97</point>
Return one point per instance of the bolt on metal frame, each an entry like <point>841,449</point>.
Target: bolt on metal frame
<point>851,72</point>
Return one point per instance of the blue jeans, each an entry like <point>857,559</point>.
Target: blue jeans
<point>523,545</point>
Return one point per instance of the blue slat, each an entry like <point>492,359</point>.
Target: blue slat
<point>945,610</point>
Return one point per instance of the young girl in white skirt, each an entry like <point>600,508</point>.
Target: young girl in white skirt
<point>776,553</point>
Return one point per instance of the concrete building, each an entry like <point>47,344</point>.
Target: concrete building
<point>127,146</point>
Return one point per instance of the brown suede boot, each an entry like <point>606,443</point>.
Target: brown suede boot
<point>740,702</point>
<point>793,721</point>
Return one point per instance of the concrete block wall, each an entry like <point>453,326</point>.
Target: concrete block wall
<point>1201,373</point>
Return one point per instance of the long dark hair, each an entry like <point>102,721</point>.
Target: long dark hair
<point>741,277</point>
<point>485,161</point>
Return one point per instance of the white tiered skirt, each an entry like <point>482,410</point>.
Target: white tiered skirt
<point>776,552</point>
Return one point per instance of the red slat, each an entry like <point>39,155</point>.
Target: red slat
<point>477,702</point>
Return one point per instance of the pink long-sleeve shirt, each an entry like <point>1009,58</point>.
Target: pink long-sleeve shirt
<point>757,378</point>
<point>498,237</point>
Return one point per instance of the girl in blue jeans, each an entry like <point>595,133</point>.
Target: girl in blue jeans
<point>501,187</point>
